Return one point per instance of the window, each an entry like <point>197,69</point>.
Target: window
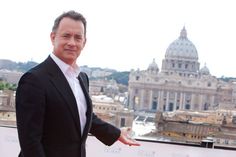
<point>180,65</point>
<point>154,105</point>
<point>187,106</point>
<point>171,106</point>
<point>177,107</point>
<point>209,84</point>
<point>205,106</point>
<point>186,66</point>
<point>122,122</point>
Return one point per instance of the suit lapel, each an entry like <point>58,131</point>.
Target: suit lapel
<point>61,84</point>
<point>84,86</point>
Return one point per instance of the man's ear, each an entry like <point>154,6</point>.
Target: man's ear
<point>85,40</point>
<point>52,37</point>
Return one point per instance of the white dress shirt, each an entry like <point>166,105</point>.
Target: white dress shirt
<point>71,74</point>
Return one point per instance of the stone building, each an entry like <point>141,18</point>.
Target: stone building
<point>193,127</point>
<point>112,111</point>
<point>7,107</point>
<point>7,100</point>
<point>106,87</point>
<point>10,76</point>
<point>180,84</point>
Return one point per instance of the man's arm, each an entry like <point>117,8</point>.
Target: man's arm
<point>105,132</point>
<point>109,134</point>
<point>29,115</point>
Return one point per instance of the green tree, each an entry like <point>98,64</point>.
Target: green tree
<point>7,86</point>
<point>1,86</point>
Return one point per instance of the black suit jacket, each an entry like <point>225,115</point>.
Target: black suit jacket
<point>47,116</point>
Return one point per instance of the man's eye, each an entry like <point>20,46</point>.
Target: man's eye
<point>78,37</point>
<point>66,36</point>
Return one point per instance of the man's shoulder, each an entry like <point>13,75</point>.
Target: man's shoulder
<point>84,78</point>
<point>39,73</point>
<point>39,68</point>
<point>83,74</point>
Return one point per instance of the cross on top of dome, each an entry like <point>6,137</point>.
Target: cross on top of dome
<point>183,33</point>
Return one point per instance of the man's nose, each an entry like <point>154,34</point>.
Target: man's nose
<point>72,41</point>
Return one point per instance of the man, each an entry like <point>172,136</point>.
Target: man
<point>53,107</point>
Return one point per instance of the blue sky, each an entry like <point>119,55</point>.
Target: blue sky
<point>124,34</point>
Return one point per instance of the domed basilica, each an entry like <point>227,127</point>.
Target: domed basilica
<point>180,84</point>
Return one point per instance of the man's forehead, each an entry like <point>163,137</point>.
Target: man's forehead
<point>71,26</point>
<point>68,22</point>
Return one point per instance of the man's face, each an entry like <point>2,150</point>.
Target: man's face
<point>69,40</point>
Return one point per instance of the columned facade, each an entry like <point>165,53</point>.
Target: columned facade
<point>180,85</point>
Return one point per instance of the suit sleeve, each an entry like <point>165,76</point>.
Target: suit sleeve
<point>105,132</point>
<point>30,106</point>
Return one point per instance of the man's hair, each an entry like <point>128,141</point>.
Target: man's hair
<point>70,14</point>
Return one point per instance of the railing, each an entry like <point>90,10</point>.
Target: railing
<point>9,147</point>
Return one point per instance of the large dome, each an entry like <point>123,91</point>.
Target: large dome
<point>182,48</point>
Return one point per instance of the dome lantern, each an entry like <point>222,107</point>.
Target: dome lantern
<point>183,34</point>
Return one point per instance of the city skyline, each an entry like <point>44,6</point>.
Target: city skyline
<point>124,35</point>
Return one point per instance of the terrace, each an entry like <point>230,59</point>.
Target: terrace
<point>9,147</point>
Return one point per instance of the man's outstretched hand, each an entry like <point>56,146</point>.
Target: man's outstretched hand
<point>125,138</point>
